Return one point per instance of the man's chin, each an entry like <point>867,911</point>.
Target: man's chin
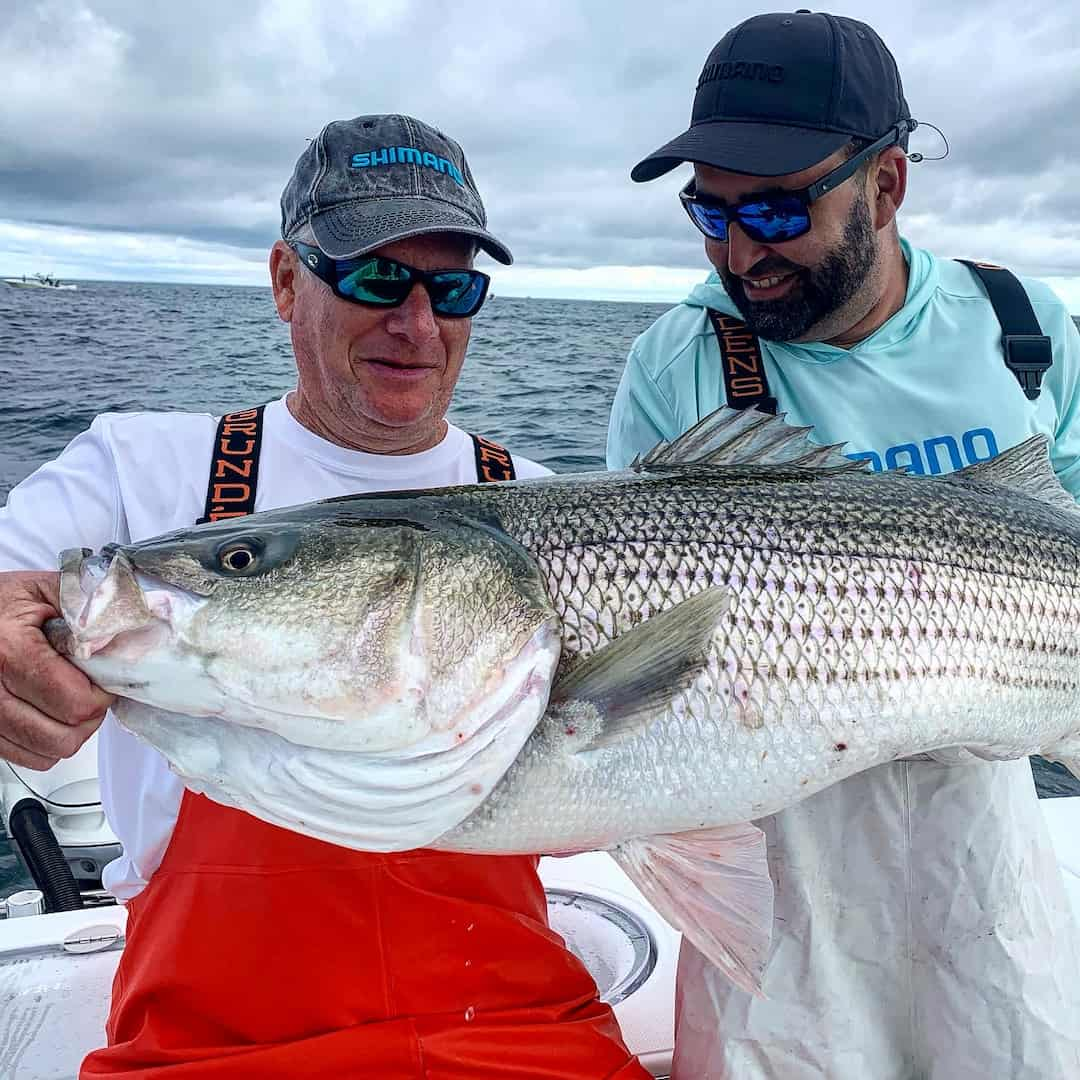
<point>404,419</point>
<point>400,403</point>
<point>397,420</point>
<point>775,320</point>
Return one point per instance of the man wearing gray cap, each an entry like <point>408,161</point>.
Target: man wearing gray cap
<point>921,929</point>
<point>253,951</point>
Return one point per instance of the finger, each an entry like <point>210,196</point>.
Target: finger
<point>32,597</point>
<point>54,686</point>
<point>9,751</point>
<point>46,586</point>
<point>35,733</point>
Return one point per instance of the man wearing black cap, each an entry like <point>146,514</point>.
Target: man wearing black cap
<point>921,927</point>
<point>253,951</point>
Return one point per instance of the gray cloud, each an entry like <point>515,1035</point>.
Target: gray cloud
<point>184,120</point>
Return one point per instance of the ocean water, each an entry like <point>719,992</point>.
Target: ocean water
<point>539,377</point>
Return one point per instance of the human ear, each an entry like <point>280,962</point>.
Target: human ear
<point>282,279</point>
<point>887,185</point>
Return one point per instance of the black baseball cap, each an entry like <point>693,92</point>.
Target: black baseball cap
<point>369,181</point>
<point>782,92</point>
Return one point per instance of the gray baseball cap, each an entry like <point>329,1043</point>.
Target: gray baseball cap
<point>369,181</point>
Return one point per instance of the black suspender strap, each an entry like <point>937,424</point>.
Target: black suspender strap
<point>234,467</point>
<point>493,462</point>
<point>1028,351</point>
<point>745,383</point>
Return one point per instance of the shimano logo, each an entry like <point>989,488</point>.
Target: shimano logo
<point>932,457</point>
<point>741,69</point>
<point>407,155</point>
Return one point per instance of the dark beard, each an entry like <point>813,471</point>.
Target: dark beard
<point>818,291</point>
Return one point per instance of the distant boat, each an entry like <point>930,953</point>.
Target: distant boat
<point>40,281</point>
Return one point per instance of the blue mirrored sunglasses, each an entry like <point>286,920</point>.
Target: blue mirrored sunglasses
<point>774,217</point>
<point>376,281</point>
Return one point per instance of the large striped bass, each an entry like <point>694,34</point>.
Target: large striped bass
<point>643,662</point>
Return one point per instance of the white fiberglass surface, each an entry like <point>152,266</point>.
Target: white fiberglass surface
<point>53,1003</point>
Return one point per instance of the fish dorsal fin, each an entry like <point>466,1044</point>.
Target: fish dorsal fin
<point>745,437</point>
<point>1025,468</point>
<point>623,684</point>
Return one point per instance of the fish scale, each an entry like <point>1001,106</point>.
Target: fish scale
<point>873,617</point>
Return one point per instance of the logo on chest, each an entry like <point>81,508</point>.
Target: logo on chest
<point>936,455</point>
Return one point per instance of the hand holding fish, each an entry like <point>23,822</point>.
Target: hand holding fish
<point>48,707</point>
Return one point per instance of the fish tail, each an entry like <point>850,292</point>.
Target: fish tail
<point>1067,754</point>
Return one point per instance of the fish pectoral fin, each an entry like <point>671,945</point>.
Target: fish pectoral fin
<point>628,680</point>
<point>714,886</point>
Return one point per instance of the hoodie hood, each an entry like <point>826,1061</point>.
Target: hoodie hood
<point>922,281</point>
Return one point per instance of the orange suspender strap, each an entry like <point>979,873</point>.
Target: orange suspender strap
<point>745,383</point>
<point>493,462</point>
<point>234,467</point>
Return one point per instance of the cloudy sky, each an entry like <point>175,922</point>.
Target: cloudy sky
<point>150,142</point>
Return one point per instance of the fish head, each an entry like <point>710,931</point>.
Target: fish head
<point>395,630</point>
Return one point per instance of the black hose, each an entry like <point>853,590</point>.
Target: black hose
<point>30,829</point>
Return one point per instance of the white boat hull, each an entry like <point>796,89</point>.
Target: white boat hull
<point>55,1001</point>
<point>16,283</point>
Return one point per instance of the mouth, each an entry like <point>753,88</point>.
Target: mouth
<point>769,287</point>
<point>395,370</point>
<point>102,600</point>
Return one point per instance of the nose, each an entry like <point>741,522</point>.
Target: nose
<point>414,319</point>
<point>743,252</point>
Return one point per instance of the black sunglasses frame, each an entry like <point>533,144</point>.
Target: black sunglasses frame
<point>807,195</point>
<point>325,268</point>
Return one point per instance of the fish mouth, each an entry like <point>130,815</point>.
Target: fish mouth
<point>103,601</point>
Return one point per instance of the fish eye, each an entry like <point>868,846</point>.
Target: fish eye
<point>241,556</point>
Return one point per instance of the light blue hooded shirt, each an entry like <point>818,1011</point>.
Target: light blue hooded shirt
<point>898,866</point>
<point>928,389</point>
